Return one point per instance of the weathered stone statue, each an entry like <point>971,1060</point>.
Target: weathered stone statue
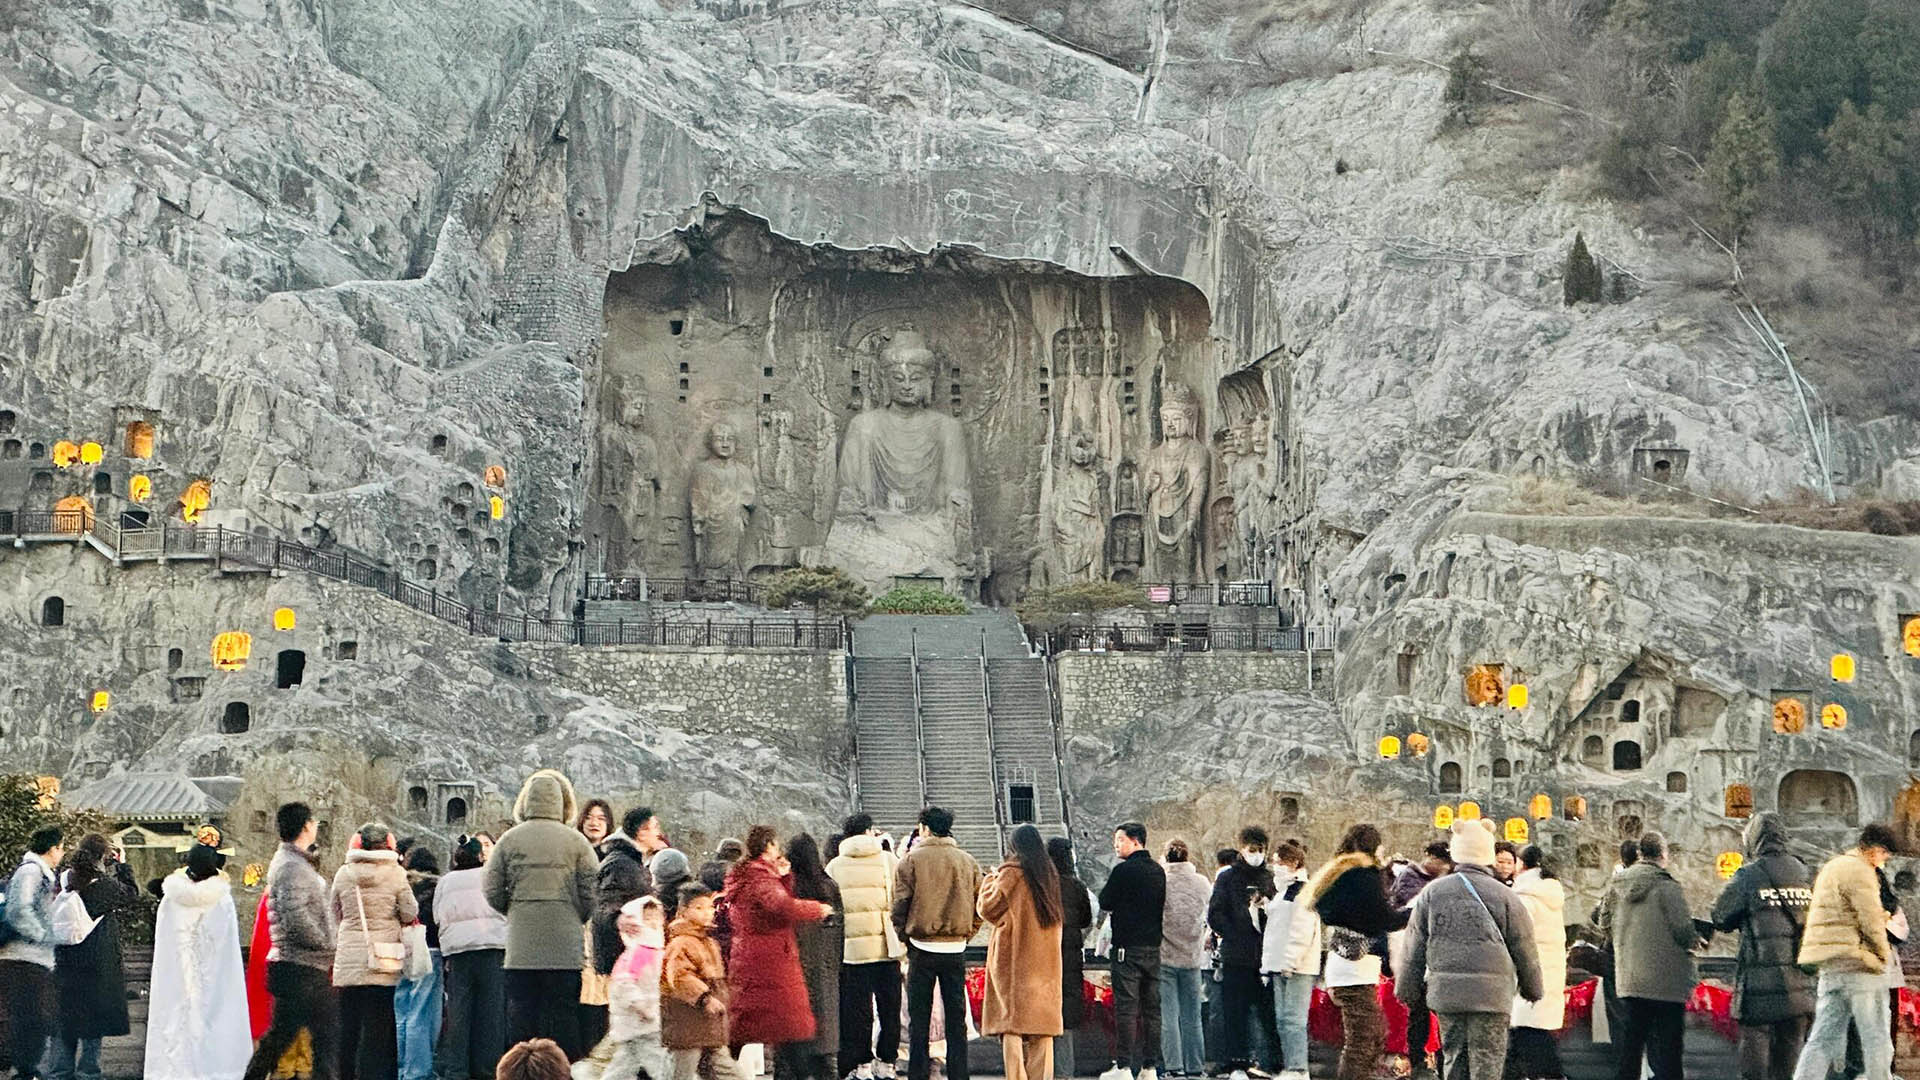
<point>1077,524</point>
<point>629,476</point>
<point>905,506</point>
<point>720,498</point>
<point>1177,473</point>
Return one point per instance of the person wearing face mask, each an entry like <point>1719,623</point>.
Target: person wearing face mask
<point>1237,915</point>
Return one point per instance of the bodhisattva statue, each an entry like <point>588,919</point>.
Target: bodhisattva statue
<point>905,506</point>
<point>1177,473</point>
<point>720,498</point>
<point>1079,517</point>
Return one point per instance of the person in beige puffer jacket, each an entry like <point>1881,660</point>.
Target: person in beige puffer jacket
<point>870,974</point>
<point>371,901</point>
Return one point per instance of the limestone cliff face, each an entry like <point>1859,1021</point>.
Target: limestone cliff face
<point>345,256</point>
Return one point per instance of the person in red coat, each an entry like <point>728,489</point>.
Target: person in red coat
<point>769,1003</point>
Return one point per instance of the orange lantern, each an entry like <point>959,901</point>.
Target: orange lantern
<point>1418,744</point>
<point>1729,863</point>
<point>1469,811</point>
<point>1739,801</point>
<point>91,453</point>
<point>231,650</point>
<point>1517,696</point>
<point>73,514</point>
<point>1833,716</point>
<point>101,701</point>
<point>1443,817</point>
<point>1540,806</point>
<point>1516,830</point>
<point>1389,747</point>
<point>194,500</point>
<point>1789,716</point>
<point>496,507</point>
<point>1842,667</point>
<point>66,453</point>
<point>283,618</point>
<point>139,487</point>
<point>495,476</point>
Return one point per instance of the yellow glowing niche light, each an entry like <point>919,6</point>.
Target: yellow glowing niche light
<point>1469,811</point>
<point>1517,696</point>
<point>1574,807</point>
<point>1389,747</point>
<point>495,476</point>
<point>1418,744</point>
<point>231,650</point>
<point>66,453</point>
<point>1841,667</point>
<point>283,618</point>
<point>1910,636</point>
<point>1729,863</point>
<point>140,487</point>
<point>1540,806</point>
<point>101,701</point>
<point>496,507</point>
<point>1443,817</point>
<point>91,453</point>
<point>1789,716</point>
<point>73,514</point>
<point>1739,801</point>
<point>1833,716</point>
<point>1516,830</point>
<point>194,500</point>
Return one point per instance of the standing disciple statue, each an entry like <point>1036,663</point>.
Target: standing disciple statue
<point>1176,488</point>
<point>1079,516</point>
<point>720,500</point>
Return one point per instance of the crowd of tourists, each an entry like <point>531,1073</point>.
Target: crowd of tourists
<point>583,945</point>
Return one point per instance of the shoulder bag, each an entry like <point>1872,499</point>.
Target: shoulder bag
<point>383,957</point>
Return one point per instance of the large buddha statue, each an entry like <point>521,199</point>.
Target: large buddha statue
<point>905,506</point>
<point>1177,474</point>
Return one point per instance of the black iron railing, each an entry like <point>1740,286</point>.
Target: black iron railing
<point>1215,593</point>
<point>1188,639</point>
<point>672,590</point>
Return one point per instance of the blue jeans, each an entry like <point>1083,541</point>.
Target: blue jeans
<point>1292,998</point>
<point>416,1015</point>
<point>1848,998</point>
<point>79,1059</point>
<point>1182,1035</point>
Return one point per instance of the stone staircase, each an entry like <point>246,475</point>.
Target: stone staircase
<point>1020,702</point>
<point>957,740</point>
<point>886,735</point>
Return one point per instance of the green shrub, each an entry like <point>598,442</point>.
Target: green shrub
<point>1048,609</point>
<point>21,813</point>
<point>826,589</point>
<point>918,600</point>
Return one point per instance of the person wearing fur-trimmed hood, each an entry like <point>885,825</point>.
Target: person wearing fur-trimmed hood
<point>1350,895</point>
<point>197,1025</point>
<point>541,877</point>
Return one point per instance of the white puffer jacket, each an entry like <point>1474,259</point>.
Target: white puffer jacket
<point>467,922</point>
<point>1546,904</point>
<point>1291,943</point>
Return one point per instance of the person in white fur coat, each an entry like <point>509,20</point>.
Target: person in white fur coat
<point>1534,1054</point>
<point>197,1011</point>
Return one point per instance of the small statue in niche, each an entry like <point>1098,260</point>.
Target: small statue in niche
<point>1078,516</point>
<point>1177,473</point>
<point>1126,488</point>
<point>720,498</point>
<point>1126,547</point>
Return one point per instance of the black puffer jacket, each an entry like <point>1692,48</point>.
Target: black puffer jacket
<point>1767,902</point>
<point>1230,912</point>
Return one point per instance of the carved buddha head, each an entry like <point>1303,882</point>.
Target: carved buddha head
<point>909,366</point>
<point>722,440</point>
<point>1179,413</point>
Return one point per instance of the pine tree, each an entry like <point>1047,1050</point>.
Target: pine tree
<point>1809,64</point>
<point>1741,163</point>
<point>1865,152</point>
<point>1580,282</point>
<point>1890,55</point>
<point>1466,86</point>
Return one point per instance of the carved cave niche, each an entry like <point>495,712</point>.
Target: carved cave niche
<point>1661,464</point>
<point>1696,712</point>
<point>1819,797</point>
<point>1738,801</point>
<point>1910,634</point>
<point>1906,818</point>
<point>1485,684</point>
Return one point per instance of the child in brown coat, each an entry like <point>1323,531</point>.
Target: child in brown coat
<point>693,993</point>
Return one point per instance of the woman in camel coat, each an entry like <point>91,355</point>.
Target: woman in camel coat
<point>1021,900</point>
<point>372,901</point>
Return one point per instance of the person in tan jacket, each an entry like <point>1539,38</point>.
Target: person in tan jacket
<point>1021,899</point>
<point>694,992</point>
<point>371,900</point>
<point>870,967</point>
<point>1846,938</point>
<point>936,894</point>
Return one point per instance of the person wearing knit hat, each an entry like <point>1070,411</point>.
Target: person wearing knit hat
<point>1470,951</point>
<point>671,869</point>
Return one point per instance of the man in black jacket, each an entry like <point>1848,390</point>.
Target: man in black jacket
<point>624,876</point>
<point>1236,913</point>
<point>1135,899</point>
<point>1767,901</point>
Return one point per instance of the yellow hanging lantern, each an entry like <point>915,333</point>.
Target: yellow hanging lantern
<point>139,487</point>
<point>1389,747</point>
<point>91,453</point>
<point>194,500</point>
<point>1516,830</point>
<point>231,650</point>
<point>1833,716</point>
<point>66,453</point>
<point>495,476</point>
<point>101,701</point>
<point>1729,863</point>
<point>1541,807</point>
<point>1469,811</point>
<point>1418,744</point>
<point>1841,667</point>
<point>497,507</point>
<point>1517,696</point>
<point>283,618</point>
<point>1443,817</point>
